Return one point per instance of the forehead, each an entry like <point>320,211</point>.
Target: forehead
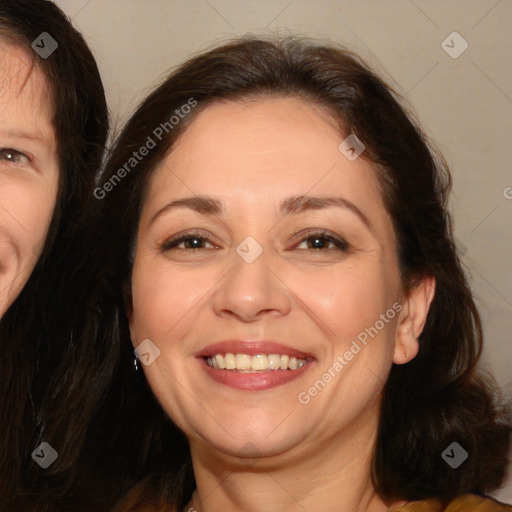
<point>272,124</point>
<point>24,92</point>
<point>267,145</point>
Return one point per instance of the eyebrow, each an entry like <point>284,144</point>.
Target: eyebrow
<point>291,205</point>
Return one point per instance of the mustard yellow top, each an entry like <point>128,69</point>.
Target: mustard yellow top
<point>464,503</point>
<point>134,502</point>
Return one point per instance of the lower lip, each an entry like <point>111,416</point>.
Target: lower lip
<point>253,381</point>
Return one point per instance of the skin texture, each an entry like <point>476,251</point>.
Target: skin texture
<point>263,450</point>
<point>28,175</point>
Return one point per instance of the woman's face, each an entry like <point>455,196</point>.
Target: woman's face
<point>28,169</point>
<point>259,239</point>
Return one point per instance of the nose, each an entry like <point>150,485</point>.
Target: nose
<point>252,290</point>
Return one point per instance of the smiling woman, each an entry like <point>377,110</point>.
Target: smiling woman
<point>296,212</point>
<point>53,127</point>
<point>28,168</point>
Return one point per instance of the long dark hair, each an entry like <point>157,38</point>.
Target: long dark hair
<point>40,336</point>
<point>436,399</point>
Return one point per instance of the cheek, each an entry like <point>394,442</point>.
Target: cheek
<point>346,300</point>
<point>38,217</point>
<point>165,300</point>
<point>27,213</point>
<point>24,220</point>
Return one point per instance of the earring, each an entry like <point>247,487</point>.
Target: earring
<point>135,364</point>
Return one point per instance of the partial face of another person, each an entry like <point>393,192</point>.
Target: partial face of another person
<point>260,277</point>
<point>28,169</point>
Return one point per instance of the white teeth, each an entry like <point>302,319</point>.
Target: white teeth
<point>274,361</point>
<point>230,361</point>
<point>243,362</point>
<point>259,362</point>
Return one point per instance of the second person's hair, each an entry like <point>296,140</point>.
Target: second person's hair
<point>428,403</point>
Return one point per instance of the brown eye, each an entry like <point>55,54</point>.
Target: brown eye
<point>188,241</point>
<point>319,241</point>
<point>13,156</point>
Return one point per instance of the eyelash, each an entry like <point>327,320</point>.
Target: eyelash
<point>15,155</point>
<point>339,243</point>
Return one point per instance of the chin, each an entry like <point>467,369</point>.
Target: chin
<point>251,449</point>
<point>247,436</point>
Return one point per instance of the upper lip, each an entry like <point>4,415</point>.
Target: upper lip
<point>251,348</point>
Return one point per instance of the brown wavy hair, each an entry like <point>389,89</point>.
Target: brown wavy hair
<point>437,398</point>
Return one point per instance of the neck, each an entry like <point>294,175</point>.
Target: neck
<point>327,475</point>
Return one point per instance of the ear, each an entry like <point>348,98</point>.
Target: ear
<point>412,320</point>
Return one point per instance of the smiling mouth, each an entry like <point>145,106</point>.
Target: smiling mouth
<point>259,363</point>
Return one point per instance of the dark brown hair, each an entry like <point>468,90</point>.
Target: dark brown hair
<point>434,400</point>
<point>40,336</point>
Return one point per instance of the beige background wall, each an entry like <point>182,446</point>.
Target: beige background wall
<point>464,103</point>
